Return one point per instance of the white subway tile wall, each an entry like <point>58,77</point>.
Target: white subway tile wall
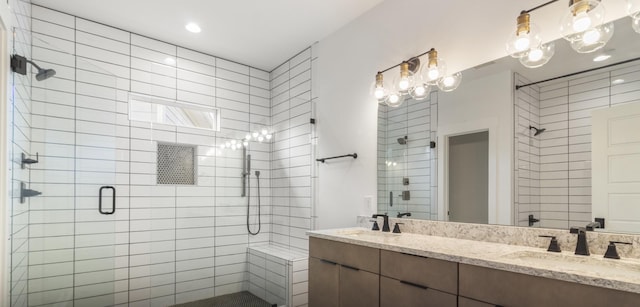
<point>526,153</point>
<point>292,108</point>
<point>165,244</point>
<point>19,130</point>
<point>415,160</point>
<point>563,188</point>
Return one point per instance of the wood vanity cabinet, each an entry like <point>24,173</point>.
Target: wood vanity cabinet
<point>491,287</point>
<point>343,274</point>
<point>408,280</point>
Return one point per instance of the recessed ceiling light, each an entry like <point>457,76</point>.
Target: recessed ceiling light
<point>602,57</point>
<point>193,27</point>
<point>617,81</point>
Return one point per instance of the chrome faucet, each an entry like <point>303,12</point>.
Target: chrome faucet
<point>385,226</point>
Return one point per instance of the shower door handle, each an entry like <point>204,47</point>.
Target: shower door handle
<point>113,203</point>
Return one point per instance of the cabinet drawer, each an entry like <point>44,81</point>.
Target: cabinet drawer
<point>432,273</point>
<point>356,256</point>
<point>323,283</point>
<point>514,289</point>
<point>395,293</point>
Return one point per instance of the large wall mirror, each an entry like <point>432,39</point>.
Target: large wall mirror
<point>559,130</point>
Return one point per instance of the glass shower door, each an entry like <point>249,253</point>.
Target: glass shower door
<point>76,254</point>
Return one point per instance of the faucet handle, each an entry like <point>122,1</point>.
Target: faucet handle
<point>375,225</point>
<point>576,230</point>
<point>553,245</point>
<point>612,252</point>
<point>396,228</point>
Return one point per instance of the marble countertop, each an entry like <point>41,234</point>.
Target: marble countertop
<point>594,270</point>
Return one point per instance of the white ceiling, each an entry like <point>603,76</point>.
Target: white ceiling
<point>259,33</point>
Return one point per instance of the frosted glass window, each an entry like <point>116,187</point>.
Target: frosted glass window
<point>167,112</point>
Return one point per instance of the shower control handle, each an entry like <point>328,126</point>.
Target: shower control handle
<point>113,202</point>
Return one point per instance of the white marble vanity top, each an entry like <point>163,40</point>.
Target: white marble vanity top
<point>623,274</point>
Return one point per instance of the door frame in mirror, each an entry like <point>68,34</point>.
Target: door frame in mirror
<point>497,215</point>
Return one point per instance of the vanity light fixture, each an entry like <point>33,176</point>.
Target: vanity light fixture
<point>193,27</point>
<point>583,26</point>
<point>526,44</point>
<point>415,80</point>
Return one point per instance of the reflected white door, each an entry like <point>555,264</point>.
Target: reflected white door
<point>616,167</point>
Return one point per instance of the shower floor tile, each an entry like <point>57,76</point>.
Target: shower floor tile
<point>240,299</point>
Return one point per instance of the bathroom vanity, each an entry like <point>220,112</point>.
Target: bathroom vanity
<point>360,267</point>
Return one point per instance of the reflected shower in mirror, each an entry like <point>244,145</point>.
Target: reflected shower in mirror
<point>406,162</point>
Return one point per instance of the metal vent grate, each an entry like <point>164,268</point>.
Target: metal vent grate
<point>176,164</point>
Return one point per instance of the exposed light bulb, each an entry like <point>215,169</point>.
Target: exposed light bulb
<point>260,138</point>
<point>581,22</point>
<point>255,134</point>
<point>420,90</point>
<point>233,142</point>
<point>522,43</point>
<point>264,131</point>
<point>394,98</point>
<point>268,136</point>
<point>223,146</point>
<point>448,81</point>
<point>378,92</point>
<point>227,144</point>
<point>245,143</point>
<point>395,163</point>
<point>248,137</point>
<point>535,55</point>
<point>591,37</point>
<point>403,84</point>
<point>233,147</point>
<point>433,73</point>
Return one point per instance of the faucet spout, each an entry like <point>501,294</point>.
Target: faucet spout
<point>385,226</point>
<point>582,247</point>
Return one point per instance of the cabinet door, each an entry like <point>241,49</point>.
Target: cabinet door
<point>432,273</point>
<point>323,283</point>
<point>358,288</point>
<point>396,293</point>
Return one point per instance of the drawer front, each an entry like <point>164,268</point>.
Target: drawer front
<point>361,257</point>
<point>394,293</point>
<point>359,288</point>
<point>432,273</point>
<point>467,302</point>
<point>513,289</point>
<point>323,283</point>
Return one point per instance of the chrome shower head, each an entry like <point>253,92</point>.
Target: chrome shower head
<point>538,131</point>
<point>402,141</point>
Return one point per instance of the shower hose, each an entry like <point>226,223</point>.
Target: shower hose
<point>249,203</point>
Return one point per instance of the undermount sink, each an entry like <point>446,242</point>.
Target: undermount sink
<point>364,234</point>
<point>594,264</point>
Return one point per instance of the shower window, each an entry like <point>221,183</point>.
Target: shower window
<point>160,111</point>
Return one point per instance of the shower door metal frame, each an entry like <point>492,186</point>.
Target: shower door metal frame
<point>4,169</point>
